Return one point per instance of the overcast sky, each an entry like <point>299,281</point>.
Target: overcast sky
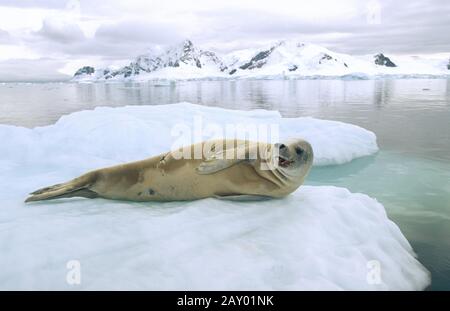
<point>49,39</point>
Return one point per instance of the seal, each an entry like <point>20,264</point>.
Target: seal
<point>230,169</point>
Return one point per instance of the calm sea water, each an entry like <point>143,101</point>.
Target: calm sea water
<point>410,175</point>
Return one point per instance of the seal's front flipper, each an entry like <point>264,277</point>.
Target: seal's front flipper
<point>222,159</point>
<point>243,197</point>
<point>215,165</point>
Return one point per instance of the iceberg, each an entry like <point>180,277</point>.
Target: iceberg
<point>319,237</point>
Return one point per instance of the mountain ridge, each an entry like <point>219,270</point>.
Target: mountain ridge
<point>279,59</point>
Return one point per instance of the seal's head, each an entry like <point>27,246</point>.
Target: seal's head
<point>293,157</point>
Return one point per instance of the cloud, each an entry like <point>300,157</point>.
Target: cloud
<point>5,37</point>
<point>138,31</point>
<point>47,4</point>
<point>31,70</point>
<point>408,28</point>
<point>230,28</point>
<point>121,29</point>
<point>113,41</point>
<point>59,30</point>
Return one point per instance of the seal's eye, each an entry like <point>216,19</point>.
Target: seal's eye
<point>298,150</point>
<point>282,146</point>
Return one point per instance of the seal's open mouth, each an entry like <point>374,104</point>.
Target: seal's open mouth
<point>284,162</point>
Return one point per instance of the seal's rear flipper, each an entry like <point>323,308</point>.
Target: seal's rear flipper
<point>42,190</point>
<point>78,187</point>
<point>63,193</point>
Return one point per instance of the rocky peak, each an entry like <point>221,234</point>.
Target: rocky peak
<point>326,57</point>
<point>382,60</point>
<point>188,54</point>
<point>258,60</point>
<point>86,70</point>
<point>187,45</point>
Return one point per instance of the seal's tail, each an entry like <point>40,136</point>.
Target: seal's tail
<point>78,187</point>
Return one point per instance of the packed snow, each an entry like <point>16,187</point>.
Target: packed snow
<point>316,238</point>
<point>280,60</point>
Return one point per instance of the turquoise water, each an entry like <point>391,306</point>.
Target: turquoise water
<point>410,175</point>
<point>416,195</point>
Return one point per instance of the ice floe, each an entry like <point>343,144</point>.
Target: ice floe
<point>317,238</point>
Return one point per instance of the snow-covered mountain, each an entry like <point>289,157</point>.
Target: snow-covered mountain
<point>279,60</point>
<point>288,57</point>
<point>185,59</point>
